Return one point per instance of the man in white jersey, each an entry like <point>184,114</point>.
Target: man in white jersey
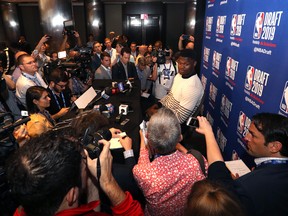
<point>187,90</point>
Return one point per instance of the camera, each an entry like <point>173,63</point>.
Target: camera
<point>192,122</point>
<point>186,37</point>
<point>91,141</point>
<point>69,27</point>
<point>160,54</point>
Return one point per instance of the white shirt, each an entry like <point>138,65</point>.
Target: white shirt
<point>24,82</point>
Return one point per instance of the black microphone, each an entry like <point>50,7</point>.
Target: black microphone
<point>10,127</point>
<point>118,118</point>
<point>106,93</point>
<point>102,108</point>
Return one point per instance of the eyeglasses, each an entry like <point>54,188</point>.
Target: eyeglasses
<point>61,86</point>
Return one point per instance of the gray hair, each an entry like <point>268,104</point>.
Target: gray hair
<point>163,131</point>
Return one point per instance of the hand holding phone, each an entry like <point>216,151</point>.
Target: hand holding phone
<point>192,122</point>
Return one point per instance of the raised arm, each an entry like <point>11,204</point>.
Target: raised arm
<point>213,150</point>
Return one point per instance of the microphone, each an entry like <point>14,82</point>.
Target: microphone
<point>106,93</point>
<point>118,118</point>
<point>11,126</point>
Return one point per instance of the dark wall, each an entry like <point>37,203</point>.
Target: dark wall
<point>80,26</point>
<point>172,20</point>
<point>175,22</point>
<point>29,18</point>
<point>113,18</point>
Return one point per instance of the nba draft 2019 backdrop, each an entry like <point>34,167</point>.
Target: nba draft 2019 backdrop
<point>244,67</point>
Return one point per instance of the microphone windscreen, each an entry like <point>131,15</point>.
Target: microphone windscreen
<point>108,91</point>
<point>102,108</point>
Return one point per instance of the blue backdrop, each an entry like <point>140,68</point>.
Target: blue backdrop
<point>244,67</point>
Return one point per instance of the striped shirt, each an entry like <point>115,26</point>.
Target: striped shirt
<point>185,96</point>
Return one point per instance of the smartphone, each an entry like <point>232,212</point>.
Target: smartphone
<point>62,54</point>
<point>186,37</point>
<point>192,122</point>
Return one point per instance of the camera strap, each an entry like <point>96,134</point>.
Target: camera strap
<point>98,170</point>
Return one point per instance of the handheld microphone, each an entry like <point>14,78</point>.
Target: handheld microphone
<point>106,93</point>
<point>118,118</point>
<point>11,126</point>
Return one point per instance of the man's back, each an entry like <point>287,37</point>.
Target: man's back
<point>167,181</point>
<point>264,191</point>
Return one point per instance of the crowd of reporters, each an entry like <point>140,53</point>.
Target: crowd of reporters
<point>53,171</point>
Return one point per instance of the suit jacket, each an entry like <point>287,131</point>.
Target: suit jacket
<point>264,191</point>
<point>101,73</point>
<point>118,71</point>
<point>95,62</point>
<point>54,107</point>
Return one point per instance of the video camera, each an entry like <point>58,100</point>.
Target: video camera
<point>161,54</point>
<point>91,141</point>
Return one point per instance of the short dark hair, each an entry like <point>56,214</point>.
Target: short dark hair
<point>104,54</point>
<point>21,58</point>
<point>58,75</point>
<point>121,43</point>
<point>274,127</point>
<point>42,172</point>
<point>212,199</point>
<point>94,120</point>
<point>188,53</point>
<point>125,50</point>
<point>33,92</point>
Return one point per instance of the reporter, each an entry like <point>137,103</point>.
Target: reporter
<point>52,178</point>
<point>37,100</point>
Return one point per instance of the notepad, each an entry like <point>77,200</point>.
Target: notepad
<point>237,166</point>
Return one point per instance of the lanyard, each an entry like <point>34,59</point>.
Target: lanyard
<point>48,117</point>
<point>56,99</point>
<point>34,79</point>
<point>274,161</point>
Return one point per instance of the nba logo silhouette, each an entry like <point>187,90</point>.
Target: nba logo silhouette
<point>249,77</point>
<point>284,101</point>
<point>241,122</point>
<point>258,28</point>
<point>233,24</point>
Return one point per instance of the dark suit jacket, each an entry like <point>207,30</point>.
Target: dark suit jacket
<point>264,191</point>
<point>118,71</point>
<point>53,108</point>
<point>95,62</point>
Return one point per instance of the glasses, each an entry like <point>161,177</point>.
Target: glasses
<point>61,86</point>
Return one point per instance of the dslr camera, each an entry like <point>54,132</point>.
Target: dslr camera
<point>91,141</point>
<point>69,27</point>
<point>160,54</point>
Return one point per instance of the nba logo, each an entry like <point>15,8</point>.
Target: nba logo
<point>241,122</point>
<point>249,77</point>
<point>284,100</point>
<point>233,24</point>
<point>258,28</point>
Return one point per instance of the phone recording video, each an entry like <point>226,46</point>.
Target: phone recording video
<point>192,122</point>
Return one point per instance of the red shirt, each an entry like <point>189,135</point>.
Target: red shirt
<point>126,208</point>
